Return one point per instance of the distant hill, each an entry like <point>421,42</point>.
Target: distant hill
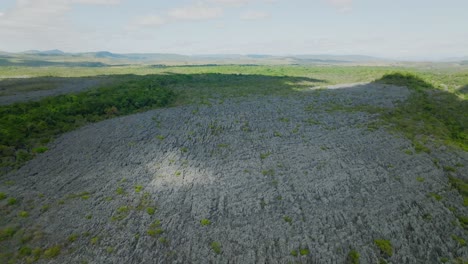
<point>107,58</point>
<point>45,53</point>
<point>341,58</point>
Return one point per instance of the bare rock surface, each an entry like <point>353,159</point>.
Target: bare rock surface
<point>273,176</point>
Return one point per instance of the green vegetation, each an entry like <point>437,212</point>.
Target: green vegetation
<point>155,232</point>
<point>121,213</point>
<point>138,188</point>
<point>94,240</point>
<point>449,169</point>
<point>277,134</point>
<point>463,221</point>
<point>150,210</point>
<point>460,240</point>
<point>83,195</point>
<point>23,214</point>
<point>385,246</point>
<point>353,257</point>
<point>39,149</point>
<point>52,252</point>
<point>293,253</point>
<point>462,186</point>
<point>287,219</point>
<point>24,251</point>
<point>27,126</point>
<point>216,247</point>
<point>72,238</point>
<point>155,229</point>
<point>420,179</point>
<point>3,196</point>
<point>427,217</point>
<point>205,222</point>
<point>120,191</point>
<point>304,251</point>
<point>45,208</point>
<point>265,155</point>
<point>7,233</point>
<point>163,240</point>
<point>436,196</point>
<point>430,114</point>
<point>12,201</point>
<point>269,172</point>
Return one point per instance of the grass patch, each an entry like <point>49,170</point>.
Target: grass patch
<point>449,169</point>
<point>94,241</point>
<point>216,247</point>
<point>110,250</point>
<point>155,232</point>
<point>83,195</point>
<point>385,246</point>
<point>460,240</point>
<point>420,179</point>
<point>205,222</point>
<point>120,191</point>
<point>7,233</point>
<point>72,238</point>
<point>353,257</point>
<point>163,240</point>
<point>269,172</point>
<point>23,214</point>
<point>265,155</point>
<point>150,210</point>
<point>304,251</point>
<point>155,229</point>
<point>52,252</point>
<point>287,219</point>
<point>121,213</point>
<point>12,201</point>
<point>277,134</point>
<point>138,188</point>
<point>436,196</point>
<point>3,196</point>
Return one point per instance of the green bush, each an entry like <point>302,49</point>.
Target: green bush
<point>52,252</point>
<point>385,246</point>
<point>353,257</point>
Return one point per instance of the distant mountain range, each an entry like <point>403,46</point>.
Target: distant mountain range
<point>103,58</point>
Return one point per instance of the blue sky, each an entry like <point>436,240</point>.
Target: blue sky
<point>416,29</point>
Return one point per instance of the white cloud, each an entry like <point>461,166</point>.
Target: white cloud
<point>254,15</point>
<point>231,2</point>
<point>97,2</point>
<point>148,21</point>
<point>240,2</point>
<point>42,23</point>
<point>195,13</point>
<point>1,14</point>
<point>187,13</point>
<point>341,5</point>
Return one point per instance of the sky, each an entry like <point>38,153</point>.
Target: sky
<point>401,29</point>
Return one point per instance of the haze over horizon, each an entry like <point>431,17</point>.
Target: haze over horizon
<point>387,29</point>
